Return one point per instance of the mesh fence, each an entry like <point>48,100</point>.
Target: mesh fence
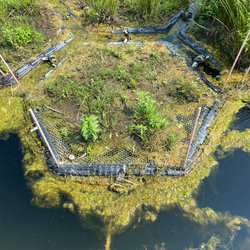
<point>120,161</point>
<point>123,160</point>
<point>114,161</point>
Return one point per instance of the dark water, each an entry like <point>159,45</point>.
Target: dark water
<point>228,190</point>
<point>242,120</point>
<point>24,227</point>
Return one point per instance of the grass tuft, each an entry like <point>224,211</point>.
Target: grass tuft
<point>230,24</point>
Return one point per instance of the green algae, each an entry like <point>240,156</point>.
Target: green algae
<point>236,139</point>
<point>108,213</point>
<point>105,212</point>
<point>11,114</point>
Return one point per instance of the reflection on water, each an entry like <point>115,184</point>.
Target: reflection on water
<point>243,119</point>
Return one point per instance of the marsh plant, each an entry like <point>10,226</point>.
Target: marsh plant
<point>17,18</point>
<point>153,9</point>
<point>101,10</point>
<point>146,118</point>
<point>89,127</point>
<point>231,22</point>
<point>139,10</point>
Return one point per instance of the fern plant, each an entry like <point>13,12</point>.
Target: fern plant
<point>89,127</point>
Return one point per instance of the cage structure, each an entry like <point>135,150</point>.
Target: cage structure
<point>122,160</point>
<point>67,161</point>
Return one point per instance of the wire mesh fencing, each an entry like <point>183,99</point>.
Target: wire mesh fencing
<point>77,161</point>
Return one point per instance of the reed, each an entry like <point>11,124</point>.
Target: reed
<point>153,9</point>
<point>104,8</point>
<point>234,14</point>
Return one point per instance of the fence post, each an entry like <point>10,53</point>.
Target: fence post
<point>245,75</point>
<point>192,136</point>
<point>236,59</point>
<point>43,136</point>
<point>13,75</point>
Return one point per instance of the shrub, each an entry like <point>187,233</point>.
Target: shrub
<point>89,127</point>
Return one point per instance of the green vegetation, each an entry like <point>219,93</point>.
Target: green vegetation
<point>146,119</point>
<point>17,18</point>
<point>185,90</point>
<point>118,11</point>
<point>229,22</point>
<point>153,9</point>
<point>16,37</point>
<point>64,131</point>
<point>89,127</point>
<point>103,89</point>
<point>101,84</point>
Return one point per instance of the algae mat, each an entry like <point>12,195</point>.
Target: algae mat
<point>90,197</point>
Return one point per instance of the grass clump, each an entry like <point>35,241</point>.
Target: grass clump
<point>152,9</point>
<point>146,119</point>
<point>185,90</point>
<point>119,11</point>
<point>228,22</point>
<point>17,20</point>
